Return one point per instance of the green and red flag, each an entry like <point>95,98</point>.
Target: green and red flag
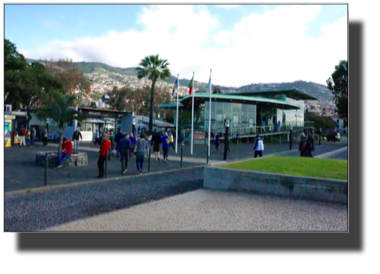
<point>191,85</point>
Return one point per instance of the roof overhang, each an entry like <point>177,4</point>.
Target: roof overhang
<point>290,93</point>
<point>201,98</point>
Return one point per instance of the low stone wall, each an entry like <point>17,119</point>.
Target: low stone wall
<point>76,159</point>
<point>298,187</point>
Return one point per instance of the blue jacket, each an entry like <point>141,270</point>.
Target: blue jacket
<point>163,140</point>
<point>118,137</point>
<point>124,144</point>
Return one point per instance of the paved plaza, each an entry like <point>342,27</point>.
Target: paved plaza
<point>77,200</point>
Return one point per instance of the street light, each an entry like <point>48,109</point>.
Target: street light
<point>291,138</point>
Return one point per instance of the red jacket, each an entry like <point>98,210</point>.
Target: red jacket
<point>67,147</point>
<point>104,148</point>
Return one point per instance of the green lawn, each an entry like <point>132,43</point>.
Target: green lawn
<point>310,167</point>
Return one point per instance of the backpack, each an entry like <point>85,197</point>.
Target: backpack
<point>167,141</point>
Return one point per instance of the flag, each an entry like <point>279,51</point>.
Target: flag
<point>209,85</point>
<point>175,86</point>
<point>191,85</point>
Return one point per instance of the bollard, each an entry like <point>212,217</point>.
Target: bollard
<point>149,162</point>
<point>291,139</point>
<point>46,167</point>
<point>181,155</point>
<point>105,165</point>
<point>207,153</point>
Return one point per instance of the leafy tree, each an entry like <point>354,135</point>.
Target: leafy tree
<point>216,90</point>
<point>153,67</point>
<point>12,59</point>
<point>320,121</point>
<point>339,87</point>
<point>118,98</point>
<point>93,105</point>
<point>69,78</point>
<point>28,86</point>
<point>14,62</point>
<point>60,108</point>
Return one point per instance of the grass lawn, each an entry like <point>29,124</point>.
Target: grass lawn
<point>310,167</point>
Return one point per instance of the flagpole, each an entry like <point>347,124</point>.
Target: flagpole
<point>192,117</point>
<point>209,118</point>
<point>176,126</point>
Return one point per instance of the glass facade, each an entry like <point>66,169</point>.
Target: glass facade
<point>242,117</point>
<point>294,117</point>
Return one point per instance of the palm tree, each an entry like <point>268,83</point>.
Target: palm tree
<point>153,67</point>
<point>60,109</point>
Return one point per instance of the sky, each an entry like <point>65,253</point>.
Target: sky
<point>242,44</point>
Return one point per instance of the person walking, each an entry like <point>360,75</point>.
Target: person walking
<point>67,150</point>
<point>155,142</point>
<point>141,149</point>
<point>21,134</point>
<point>133,140</point>
<point>44,137</point>
<point>112,139</point>
<point>33,134</point>
<point>27,136</point>
<point>104,148</point>
<point>217,141</point>
<point>182,137</point>
<point>165,146</point>
<point>171,140</point>
<point>118,137</point>
<point>125,151</point>
<point>76,136</point>
<point>96,137</point>
<point>258,146</point>
<point>302,148</point>
<point>310,146</point>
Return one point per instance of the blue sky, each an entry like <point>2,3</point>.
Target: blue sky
<point>225,38</point>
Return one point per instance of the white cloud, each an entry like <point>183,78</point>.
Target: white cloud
<point>228,7</point>
<point>271,47</point>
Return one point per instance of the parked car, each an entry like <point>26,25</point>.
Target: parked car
<point>333,136</point>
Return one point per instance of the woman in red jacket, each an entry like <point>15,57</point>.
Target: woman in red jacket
<point>104,148</point>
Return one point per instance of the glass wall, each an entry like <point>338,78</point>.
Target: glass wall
<point>294,117</point>
<point>241,117</point>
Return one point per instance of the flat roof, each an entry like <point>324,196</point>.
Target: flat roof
<point>203,97</point>
<point>291,93</point>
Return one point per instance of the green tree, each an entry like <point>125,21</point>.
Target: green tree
<point>14,62</point>
<point>60,108</point>
<point>320,121</point>
<point>339,87</point>
<point>28,86</point>
<point>153,67</point>
<point>216,90</point>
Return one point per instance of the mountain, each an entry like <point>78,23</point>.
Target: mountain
<point>316,90</point>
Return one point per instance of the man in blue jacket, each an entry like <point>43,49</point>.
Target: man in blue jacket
<point>118,136</point>
<point>124,146</point>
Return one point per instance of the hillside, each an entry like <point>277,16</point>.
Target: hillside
<point>316,90</point>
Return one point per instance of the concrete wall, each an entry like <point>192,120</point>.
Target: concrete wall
<point>276,184</point>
